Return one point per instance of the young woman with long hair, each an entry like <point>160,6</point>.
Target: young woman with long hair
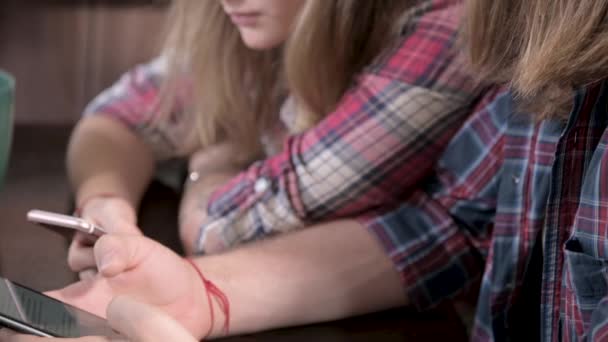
<point>298,111</point>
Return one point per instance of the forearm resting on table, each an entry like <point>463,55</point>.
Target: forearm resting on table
<point>104,156</point>
<point>317,274</point>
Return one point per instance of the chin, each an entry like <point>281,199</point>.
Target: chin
<point>255,42</point>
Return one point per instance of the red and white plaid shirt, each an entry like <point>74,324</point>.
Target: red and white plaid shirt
<point>363,158</point>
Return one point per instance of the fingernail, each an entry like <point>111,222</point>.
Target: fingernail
<point>106,260</point>
<point>87,274</point>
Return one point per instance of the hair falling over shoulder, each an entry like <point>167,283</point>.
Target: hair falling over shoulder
<point>544,49</point>
<point>238,92</point>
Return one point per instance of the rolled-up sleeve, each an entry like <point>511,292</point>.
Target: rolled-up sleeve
<point>434,256</point>
<point>439,238</point>
<point>382,139</point>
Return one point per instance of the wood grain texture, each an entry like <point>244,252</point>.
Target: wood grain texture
<point>63,54</point>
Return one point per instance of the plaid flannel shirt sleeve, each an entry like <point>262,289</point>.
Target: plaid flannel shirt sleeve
<point>134,100</point>
<point>439,238</point>
<point>381,140</point>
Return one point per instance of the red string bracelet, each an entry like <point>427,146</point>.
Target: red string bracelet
<point>219,295</point>
<point>83,203</point>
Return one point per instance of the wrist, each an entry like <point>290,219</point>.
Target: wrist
<point>83,201</point>
<point>111,209</point>
<point>216,302</point>
<point>109,183</point>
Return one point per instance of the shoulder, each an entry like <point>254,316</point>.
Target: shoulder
<point>427,47</point>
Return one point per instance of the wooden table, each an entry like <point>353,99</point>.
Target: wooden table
<point>36,257</point>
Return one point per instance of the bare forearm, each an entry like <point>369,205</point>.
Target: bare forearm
<point>105,156</point>
<point>318,274</point>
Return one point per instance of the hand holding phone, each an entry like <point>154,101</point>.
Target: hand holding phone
<point>54,220</point>
<point>149,271</point>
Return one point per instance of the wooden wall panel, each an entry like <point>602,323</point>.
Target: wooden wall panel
<point>122,37</point>
<point>63,55</point>
<point>44,49</point>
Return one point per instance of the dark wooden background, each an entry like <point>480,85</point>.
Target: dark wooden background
<point>64,52</point>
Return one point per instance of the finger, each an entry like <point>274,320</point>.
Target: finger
<point>13,337</point>
<point>84,238</point>
<point>80,257</point>
<point>116,254</point>
<point>144,323</point>
<point>88,274</point>
<point>5,333</point>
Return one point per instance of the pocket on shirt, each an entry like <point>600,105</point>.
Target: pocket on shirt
<point>586,276</point>
<point>584,286</point>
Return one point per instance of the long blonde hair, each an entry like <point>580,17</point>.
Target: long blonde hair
<point>238,92</point>
<point>543,48</point>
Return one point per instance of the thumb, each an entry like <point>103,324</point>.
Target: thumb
<point>115,254</point>
<point>139,322</point>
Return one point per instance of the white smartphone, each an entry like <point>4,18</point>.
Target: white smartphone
<point>53,220</point>
<point>31,312</point>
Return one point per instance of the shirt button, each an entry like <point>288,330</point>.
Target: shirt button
<point>194,176</point>
<point>261,185</point>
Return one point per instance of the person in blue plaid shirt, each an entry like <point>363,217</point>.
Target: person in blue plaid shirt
<point>518,201</point>
<point>527,193</point>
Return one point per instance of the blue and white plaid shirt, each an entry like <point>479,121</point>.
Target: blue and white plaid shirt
<point>505,185</point>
